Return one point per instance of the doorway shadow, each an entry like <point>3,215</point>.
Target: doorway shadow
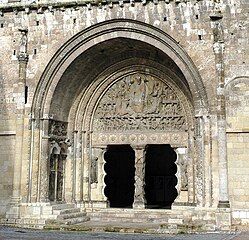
<point>120,176</point>
<point>160,179</point>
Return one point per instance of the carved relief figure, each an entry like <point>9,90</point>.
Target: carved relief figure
<point>184,173</point>
<point>23,42</point>
<point>57,130</point>
<point>94,170</point>
<point>139,102</point>
<point>138,94</point>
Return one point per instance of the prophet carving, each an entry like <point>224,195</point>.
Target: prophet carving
<point>139,102</point>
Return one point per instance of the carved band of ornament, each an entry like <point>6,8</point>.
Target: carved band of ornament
<point>139,102</point>
<point>176,139</point>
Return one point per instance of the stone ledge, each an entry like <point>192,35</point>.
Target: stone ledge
<point>47,4</point>
<point>7,133</point>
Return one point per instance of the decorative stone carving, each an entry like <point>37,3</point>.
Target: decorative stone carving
<point>139,102</point>
<point>183,164</point>
<point>94,170</point>
<point>57,130</point>
<point>59,144</point>
<point>23,55</point>
<point>176,139</point>
<point>139,198</point>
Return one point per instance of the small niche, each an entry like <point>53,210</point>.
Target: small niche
<point>1,25</point>
<point>200,37</point>
<point>35,51</point>
<point>14,52</point>
<point>196,16</point>
<point>74,20</point>
<point>26,94</point>
<point>37,23</point>
<point>165,19</point>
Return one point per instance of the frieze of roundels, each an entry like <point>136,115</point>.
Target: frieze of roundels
<point>139,102</point>
<point>174,138</point>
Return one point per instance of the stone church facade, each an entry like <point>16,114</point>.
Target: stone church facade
<point>125,109</point>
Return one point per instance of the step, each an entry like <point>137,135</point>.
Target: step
<point>62,206</point>
<point>128,220</point>
<point>135,217</point>
<point>134,214</point>
<point>66,211</point>
<point>71,215</point>
<point>76,220</point>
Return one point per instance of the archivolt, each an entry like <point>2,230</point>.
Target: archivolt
<point>109,30</point>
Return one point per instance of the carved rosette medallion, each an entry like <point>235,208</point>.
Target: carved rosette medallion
<point>139,102</point>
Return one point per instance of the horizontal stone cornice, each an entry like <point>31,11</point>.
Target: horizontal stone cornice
<point>15,6</point>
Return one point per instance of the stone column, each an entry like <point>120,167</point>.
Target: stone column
<point>86,168</point>
<point>199,160</point>
<point>75,142</point>
<point>223,171</point>
<point>139,198</point>
<point>78,167</point>
<point>43,162</point>
<point>218,48</point>
<point>64,182</point>
<point>20,113</point>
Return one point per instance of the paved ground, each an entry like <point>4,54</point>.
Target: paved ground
<point>7,233</point>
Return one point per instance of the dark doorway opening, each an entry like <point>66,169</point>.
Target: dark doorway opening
<point>120,175</point>
<point>160,179</point>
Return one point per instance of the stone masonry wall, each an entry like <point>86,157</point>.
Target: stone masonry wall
<point>188,22</point>
<point>237,90</point>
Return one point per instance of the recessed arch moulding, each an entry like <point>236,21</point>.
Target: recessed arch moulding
<point>92,65</point>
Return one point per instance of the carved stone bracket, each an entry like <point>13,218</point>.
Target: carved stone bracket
<point>139,197</point>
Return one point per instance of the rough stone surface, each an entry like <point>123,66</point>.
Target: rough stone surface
<point>59,64</point>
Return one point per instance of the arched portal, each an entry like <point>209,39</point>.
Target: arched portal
<point>120,82</point>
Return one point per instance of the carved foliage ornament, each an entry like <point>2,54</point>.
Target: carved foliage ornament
<point>57,130</point>
<point>139,102</point>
